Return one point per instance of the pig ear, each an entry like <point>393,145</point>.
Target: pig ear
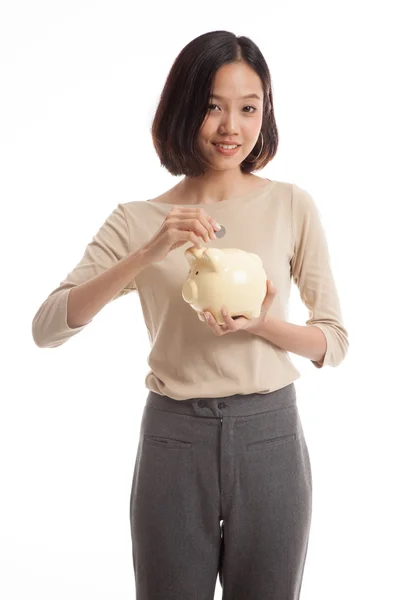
<point>215,257</point>
<point>194,253</point>
<point>256,256</point>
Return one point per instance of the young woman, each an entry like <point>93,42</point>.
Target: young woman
<point>222,481</point>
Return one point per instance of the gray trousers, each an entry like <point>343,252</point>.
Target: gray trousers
<point>241,460</point>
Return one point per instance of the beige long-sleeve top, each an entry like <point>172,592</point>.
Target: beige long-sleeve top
<point>280,222</point>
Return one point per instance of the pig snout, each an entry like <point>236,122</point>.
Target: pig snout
<point>189,291</point>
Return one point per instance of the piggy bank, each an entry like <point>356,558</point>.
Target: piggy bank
<point>225,277</point>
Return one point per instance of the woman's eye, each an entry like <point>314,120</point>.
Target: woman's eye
<point>254,109</point>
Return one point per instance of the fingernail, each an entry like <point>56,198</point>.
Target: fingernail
<point>217,225</point>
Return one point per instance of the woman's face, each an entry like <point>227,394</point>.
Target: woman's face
<point>231,118</point>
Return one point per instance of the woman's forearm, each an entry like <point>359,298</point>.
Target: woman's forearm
<point>88,298</point>
<point>305,340</point>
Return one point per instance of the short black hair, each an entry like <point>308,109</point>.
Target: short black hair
<point>184,102</point>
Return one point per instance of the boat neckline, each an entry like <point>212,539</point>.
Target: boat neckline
<point>250,194</point>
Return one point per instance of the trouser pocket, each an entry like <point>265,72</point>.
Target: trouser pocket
<point>271,442</point>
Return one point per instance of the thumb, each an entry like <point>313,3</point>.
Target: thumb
<point>270,294</point>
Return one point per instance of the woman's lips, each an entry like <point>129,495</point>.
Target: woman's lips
<point>225,151</point>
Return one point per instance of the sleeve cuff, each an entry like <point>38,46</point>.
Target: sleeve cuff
<point>323,362</point>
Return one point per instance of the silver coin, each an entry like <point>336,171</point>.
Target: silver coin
<point>221,232</point>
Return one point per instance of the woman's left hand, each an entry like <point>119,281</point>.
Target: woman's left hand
<point>241,323</point>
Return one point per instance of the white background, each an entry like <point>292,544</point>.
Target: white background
<point>79,85</point>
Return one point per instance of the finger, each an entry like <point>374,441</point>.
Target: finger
<point>271,288</point>
<point>209,223</point>
<point>267,302</point>
<point>229,322</point>
<point>217,329</point>
<point>266,305</point>
<point>271,291</point>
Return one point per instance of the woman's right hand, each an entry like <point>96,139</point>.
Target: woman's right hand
<point>182,224</point>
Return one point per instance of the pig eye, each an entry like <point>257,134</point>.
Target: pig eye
<point>196,273</point>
